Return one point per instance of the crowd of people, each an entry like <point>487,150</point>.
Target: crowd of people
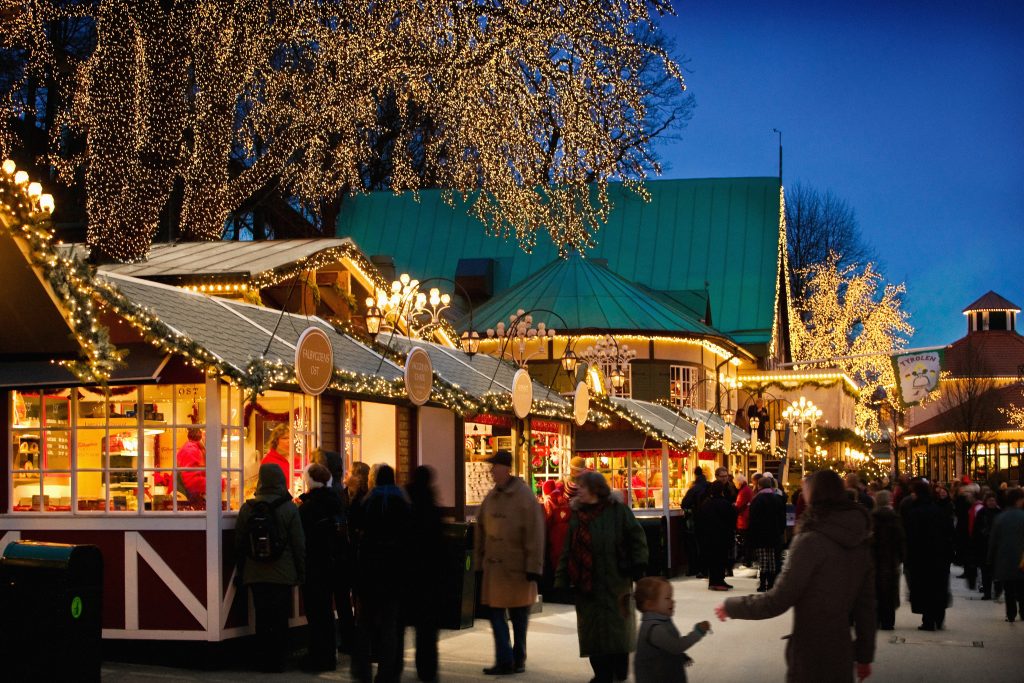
<point>346,542</point>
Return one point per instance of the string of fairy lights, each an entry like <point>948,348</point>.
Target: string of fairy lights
<point>851,314</point>
<point>232,98</point>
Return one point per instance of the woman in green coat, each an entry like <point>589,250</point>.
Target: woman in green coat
<point>605,549</point>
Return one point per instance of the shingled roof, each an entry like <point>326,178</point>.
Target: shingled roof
<point>992,302</point>
<point>992,417</point>
<point>722,232</point>
<point>988,353</point>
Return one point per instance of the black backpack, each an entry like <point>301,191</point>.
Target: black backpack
<point>265,542</point>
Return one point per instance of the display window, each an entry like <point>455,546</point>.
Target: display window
<point>284,430</point>
<point>144,448</point>
<point>485,435</point>
<point>353,434</point>
<point>638,475</point>
<point>550,452</point>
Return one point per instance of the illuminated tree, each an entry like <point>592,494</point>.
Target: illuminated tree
<point>851,317</point>
<point>195,107</point>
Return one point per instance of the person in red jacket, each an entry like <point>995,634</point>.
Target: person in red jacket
<point>742,504</point>
<point>277,451</point>
<point>193,483</point>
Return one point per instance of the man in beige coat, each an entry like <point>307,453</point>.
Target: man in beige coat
<point>508,552</point>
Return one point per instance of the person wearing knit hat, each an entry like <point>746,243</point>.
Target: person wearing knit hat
<point>577,466</point>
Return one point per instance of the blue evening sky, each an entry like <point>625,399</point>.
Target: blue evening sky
<point>912,111</point>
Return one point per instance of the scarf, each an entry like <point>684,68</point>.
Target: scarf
<point>581,557</point>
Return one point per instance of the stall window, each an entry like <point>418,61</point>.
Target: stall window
<point>484,436</point>
<point>549,452</point>
<point>125,450</point>
<point>275,408</point>
<point>353,434</point>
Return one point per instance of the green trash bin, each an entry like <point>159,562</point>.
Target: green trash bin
<point>51,597</point>
<point>458,577</point>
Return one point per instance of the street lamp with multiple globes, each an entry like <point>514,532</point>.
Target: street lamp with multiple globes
<point>801,416</point>
<point>606,353</point>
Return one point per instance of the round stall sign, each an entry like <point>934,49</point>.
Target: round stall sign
<point>701,437</point>
<point>522,393</point>
<point>419,376</point>
<point>581,403</point>
<point>314,361</point>
<point>727,439</point>
<point>773,442</point>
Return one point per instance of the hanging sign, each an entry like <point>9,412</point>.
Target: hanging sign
<point>753,441</point>
<point>314,361</point>
<point>727,440</point>
<point>701,437</point>
<point>419,376</point>
<point>773,441</point>
<point>917,374</point>
<point>581,403</point>
<point>522,393</point>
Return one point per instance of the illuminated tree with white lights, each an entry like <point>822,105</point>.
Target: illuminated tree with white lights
<point>199,107</point>
<point>849,312</point>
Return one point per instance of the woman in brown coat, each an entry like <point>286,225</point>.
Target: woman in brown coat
<point>828,580</point>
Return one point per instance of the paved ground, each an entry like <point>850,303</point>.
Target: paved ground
<point>977,645</point>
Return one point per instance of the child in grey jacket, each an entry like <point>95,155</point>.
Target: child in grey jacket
<point>660,650</point>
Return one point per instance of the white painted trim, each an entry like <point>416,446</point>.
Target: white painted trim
<point>195,607</point>
<point>131,580</point>
<point>229,597</point>
<point>126,634</point>
<point>214,551</point>
<point>9,537</point>
<point>114,523</point>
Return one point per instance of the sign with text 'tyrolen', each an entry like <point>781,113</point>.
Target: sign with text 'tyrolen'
<point>419,376</point>
<point>314,361</point>
<point>522,393</point>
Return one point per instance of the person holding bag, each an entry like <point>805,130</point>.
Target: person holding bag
<point>605,550</point>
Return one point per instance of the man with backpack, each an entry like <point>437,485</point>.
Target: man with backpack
<point>270,549</point>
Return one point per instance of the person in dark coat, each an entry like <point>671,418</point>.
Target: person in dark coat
<point>716,526</point>
<point>319,512</point>
<point>828,580</point>
<point>423,604</point>
<point>690,504</point>
<point>929,532</point>
<point>1005,550</point>
<point>271,580</point>
<point>765,534</point>
<point>382,574</point>
<point>888,547</point>
<point>605,550</point>
<point>343,561</point>
<point>984,519</point>
<point>354,489</point>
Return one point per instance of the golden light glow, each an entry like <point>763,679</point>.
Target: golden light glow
<point>543,101</point>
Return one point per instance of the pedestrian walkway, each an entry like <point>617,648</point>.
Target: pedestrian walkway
<point>976,645</point>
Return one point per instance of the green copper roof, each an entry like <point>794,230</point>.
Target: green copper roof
<point>719,231</point>
<point>587,295</point>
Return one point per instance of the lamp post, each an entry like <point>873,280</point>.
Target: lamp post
<point>801,416</point>
<point>606,353</point>
<point>521,329</point>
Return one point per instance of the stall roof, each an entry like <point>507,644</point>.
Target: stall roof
<point>673,427</point>
<point>236,333</point>
<point>171,261</point>
<point>714,422</point>
<point>473,375</point>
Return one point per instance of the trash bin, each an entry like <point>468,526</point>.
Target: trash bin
<point>657,545</point>
<point>459,579</point>
<point>50,600</point>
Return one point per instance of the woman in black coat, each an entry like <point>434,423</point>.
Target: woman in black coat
<point>765,532</point>
<point>983,521</point>
<point>929,532</point>
<point>320,511</point>
<point>716,529</point>
<point>888,547</point>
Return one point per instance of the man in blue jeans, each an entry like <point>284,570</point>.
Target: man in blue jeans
<point>508,552</point>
